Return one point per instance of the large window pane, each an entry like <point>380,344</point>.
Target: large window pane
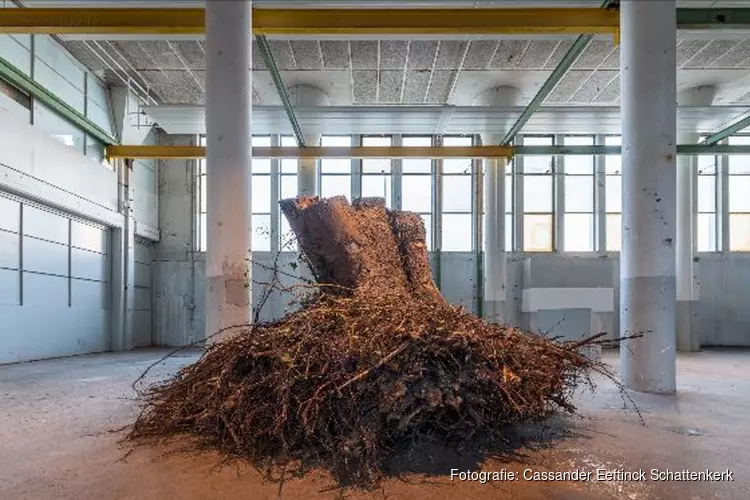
<point>579,233</point>
<point>261,165</point>
<point>508,232</point>
<point>336,185</point>
<point>575,164</point>
<point>537,193</point>
<point>537,233</point>
<point>614,232</point>
<point>739,193</point>
<point>416,166</point>
<point>739,164</point>
<point>336,165</point>
<point>376,165</point>
<point>613,163</point>
<point>261,197</point>
<point>261,241</point>
<point>706,233</point>
<point>202,232</point>
<point>508,193</point>
<point>534,164</point>
<point>456,233</point>
<point>288,186</point>
<point>378,186</point>
<point>706,193</point>
<point>287,238</point>
<point>457,193</point>
<point>579,193</point>
<point>739,232</point>
<point>417,193</point>
<point>613,193</point>
<point>427,220</point>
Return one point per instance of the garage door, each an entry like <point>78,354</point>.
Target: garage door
<point>142,300</point>
<point>54,274</point>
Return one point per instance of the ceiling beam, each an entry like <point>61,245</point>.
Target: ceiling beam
<point>140,21</point>
<point>726,132</point>
<point>265,51</point>
<point>196,152</point>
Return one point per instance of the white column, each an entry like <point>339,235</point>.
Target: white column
<point>647,263</point>
<point>304,96</point>
<point>228,163</point>
<point>495,261</point>
<point>687,169</point>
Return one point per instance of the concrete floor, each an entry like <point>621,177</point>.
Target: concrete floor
<point>57,419</point>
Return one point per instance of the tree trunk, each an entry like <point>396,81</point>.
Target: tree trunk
<point>362,247</point>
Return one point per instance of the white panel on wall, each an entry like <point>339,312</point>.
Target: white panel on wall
<point>41,290</point>
<point>99,115</point>
<point>15,50</point>
<point>88,237</point>
<point>43,224</point>
<point>57,127</point>
<point>53,55</point>
<point>45,257</point>
<point>142,300</point>
<point>10,287</point>
<point>142,275</point>
<point>144,177</point>
<point>10,211</point>
<point>88,265</point>
<point>50,79</point>
<point>88,294</point>
<point>97,92</point>
<point>13,107</point>
<point>10,250</point>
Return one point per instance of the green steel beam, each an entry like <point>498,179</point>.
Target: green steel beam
<point>265,51</point>
<point>702,19</point>
<point>15,77</point>
<point>580,44</point>
<point>730,130</point>
<point>682,149</point>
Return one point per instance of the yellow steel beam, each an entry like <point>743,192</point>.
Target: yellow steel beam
<point>197,152</point>
<point>121,21</point>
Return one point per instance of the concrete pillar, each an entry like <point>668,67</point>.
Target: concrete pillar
<point>687,170</point>
<point>302,96</point>
<point>123,265</point>
<point>647,262</point>
<point>228,160</point>
<point>495,262</point>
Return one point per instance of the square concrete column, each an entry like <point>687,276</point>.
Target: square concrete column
<point>647,263</point>
<point>228,166</point>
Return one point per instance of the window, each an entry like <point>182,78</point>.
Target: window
<point>457,200</point>
<point>336,173</point>
<point>537,198</point>
<point>579,198</point>
<point>260,200</point>
<point>613,197</point>
<point>509,207</point>
<point>706,227</point>
<point>416,185</point>
<point>287,189</point>
<point>376,172</point>
<point>739,201</point>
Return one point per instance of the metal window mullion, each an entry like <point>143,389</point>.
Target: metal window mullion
<point>600,198</point>
<point>275,219</point>
<point>518,177</point>
<point>356,178</point>
<point>722,200</point>
<point>396,176</point>
<point>558,199</point>
<point>437,207</point>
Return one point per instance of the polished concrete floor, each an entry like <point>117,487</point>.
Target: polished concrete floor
<point>58,439</point>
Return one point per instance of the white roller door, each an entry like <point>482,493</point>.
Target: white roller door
<point>54,283</point>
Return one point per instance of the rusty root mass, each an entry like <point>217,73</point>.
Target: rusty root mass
<point>377,359</point>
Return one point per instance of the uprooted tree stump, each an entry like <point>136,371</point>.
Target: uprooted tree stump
<point>377,359</point>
